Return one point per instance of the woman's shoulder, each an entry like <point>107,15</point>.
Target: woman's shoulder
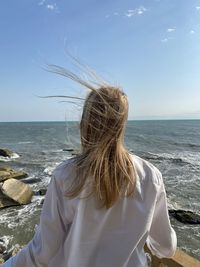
<point>64,171</point>
<point>146,170</point>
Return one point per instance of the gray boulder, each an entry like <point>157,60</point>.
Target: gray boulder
<point>69,149</point>
<point>31,180</point>
<point>185,216</point>
<point>4,152</point>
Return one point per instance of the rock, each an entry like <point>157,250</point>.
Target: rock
<point>2,249</point>
<point>18,174</point>
<point>16,249</point>
<point>5,168</point>
<point>180,161</point>
<point>18,191</point>
<point>7,173</point>
<point>40,192</point>
<point>6,152</point>
<point>68,149</point>
<point>31,180</point>
<point>6,201</point>
<point>8,254</point>
<point>185,216</point>
<point>4,175</point>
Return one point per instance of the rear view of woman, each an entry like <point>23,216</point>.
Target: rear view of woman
<point>103,205</point>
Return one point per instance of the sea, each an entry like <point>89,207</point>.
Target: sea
<point>173,146</point>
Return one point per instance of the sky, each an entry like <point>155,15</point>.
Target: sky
<point>150,48</point>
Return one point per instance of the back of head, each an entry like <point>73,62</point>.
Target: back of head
<point>104,118</point>
<point>104,163</point>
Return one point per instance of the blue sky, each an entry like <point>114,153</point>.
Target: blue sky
<point>150,48</point>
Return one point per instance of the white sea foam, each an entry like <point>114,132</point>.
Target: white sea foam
<point>6,239</point>
<point>37,199</point>
<point>191,157</point>
<point>37,181</point>
<point>13,156</point>
<point>49,170</point>
<point>5,159</point>
<point>24,213</point>
<point>25,142</point>
<point>57,151</point>
<point>172,204</point>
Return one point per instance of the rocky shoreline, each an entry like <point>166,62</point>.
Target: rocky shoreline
<point>14,192</point>
<point>5,254</point>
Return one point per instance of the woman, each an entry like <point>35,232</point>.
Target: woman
<point>103,205</point>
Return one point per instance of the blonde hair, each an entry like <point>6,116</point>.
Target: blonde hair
<point>103,165</point>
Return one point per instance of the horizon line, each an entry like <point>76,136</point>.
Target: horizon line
<point>79,120</point>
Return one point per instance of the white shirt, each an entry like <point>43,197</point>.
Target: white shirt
<point>74,233</point>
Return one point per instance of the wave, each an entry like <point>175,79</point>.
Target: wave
<point>13,156</point>
<point>172,204</point>
<point>161,157</point>
<point>24,212</point>
<point>25,142</point>
<point>186,144</point>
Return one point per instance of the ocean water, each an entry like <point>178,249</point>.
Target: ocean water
<point>172,146</point>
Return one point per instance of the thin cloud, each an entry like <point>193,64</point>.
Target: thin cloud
<point>171,30</point>
<point>192,32</point>
<point>52,7</point>
<point>197,7</point>
<point>141,10</point>
<point>166,39</point>
<point>129,13</point>
<point>137,11</point>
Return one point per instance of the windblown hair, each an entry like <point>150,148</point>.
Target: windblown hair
<point>103,165</point>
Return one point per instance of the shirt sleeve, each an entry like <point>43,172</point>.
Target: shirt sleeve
<point>162,240</point>
<point>49,234</point>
